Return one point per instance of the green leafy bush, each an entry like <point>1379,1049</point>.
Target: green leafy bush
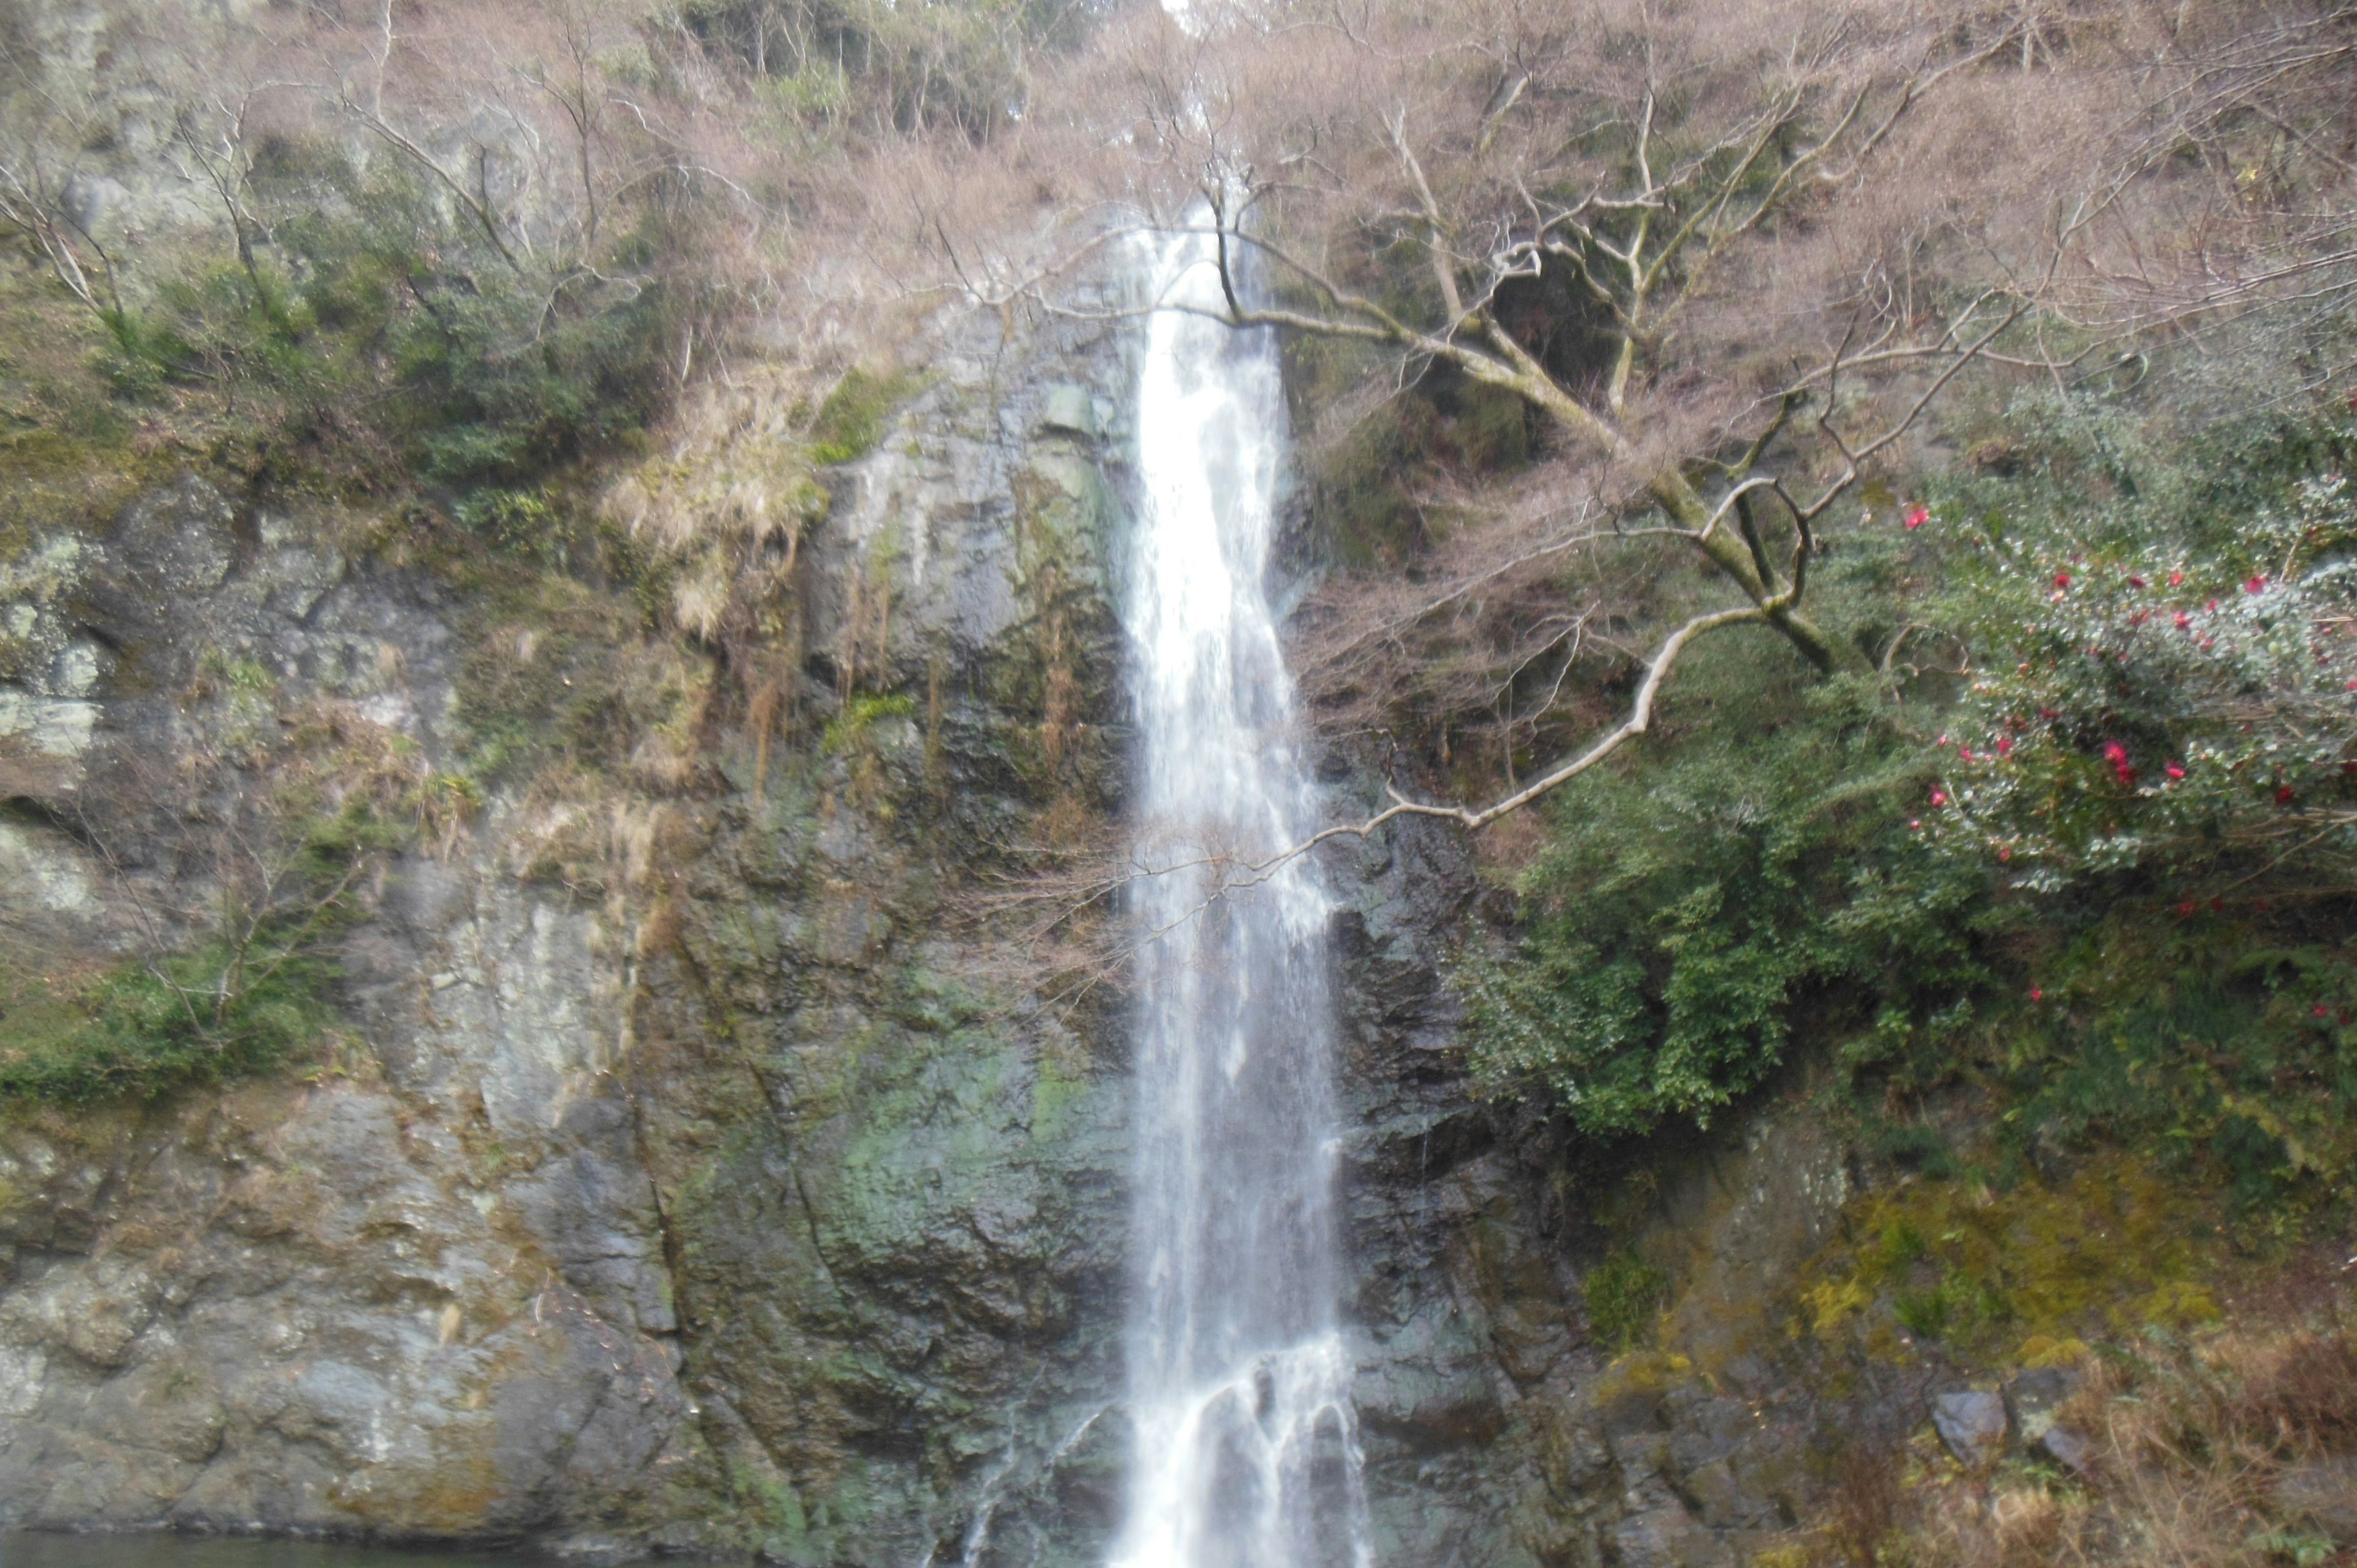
<point>1687,896</point>
<point>148,1028</point>
<point>2091,841</point>
<point>2162,703</point>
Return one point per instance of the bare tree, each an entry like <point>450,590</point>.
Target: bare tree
<point>1572,210</point>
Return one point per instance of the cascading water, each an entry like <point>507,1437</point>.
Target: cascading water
<point>1240,1381</point>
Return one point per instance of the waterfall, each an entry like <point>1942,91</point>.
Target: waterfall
<point>1240,1380</point>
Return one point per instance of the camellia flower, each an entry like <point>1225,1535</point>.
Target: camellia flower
<point>1939,797</point>
<point>2061,579</point>
<point>2176,770</point>
<point>2255,585</point>
<point>2183,620</point>
<point>1919,516</point>
<point>2036,994</point>
<point>2175,578</point>
<point>2005,745</point>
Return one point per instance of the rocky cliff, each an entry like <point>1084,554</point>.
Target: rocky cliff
<point>750,1189</point>
<point>701,1148</point>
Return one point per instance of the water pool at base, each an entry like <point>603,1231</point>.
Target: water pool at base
<point>159,1551</point>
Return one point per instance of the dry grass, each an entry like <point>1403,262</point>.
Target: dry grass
<point>2232,1451</point>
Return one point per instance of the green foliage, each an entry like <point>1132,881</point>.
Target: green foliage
<point>2199,1039</point>
<point>2301,1548</point>
<point>383,340</point>
<point>2089,844</point>
<point>1687,896</point>
<point>146,1028</point>
<point>240,999</point>
<point>1624,1296</point>
<point>2162,708</point>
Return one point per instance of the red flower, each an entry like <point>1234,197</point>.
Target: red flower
<point>2175,578</point>
<point>2213,607</point>
<point>2283,794</point>
<point>2255,585</point>
<point>1919,516</point>
<point>1965,753</point>
<point>2176,770</point>
<point>2320,1011</point>
<point>1915,824</point>
<point>2048,713</point>
<point>2061,579</point>
<point>2035,994</point>
<point>2135,582</point>
<point>2005,851</point>
<point>2005,745</point>
<point>2183,620</point>
<point>2187,907</point>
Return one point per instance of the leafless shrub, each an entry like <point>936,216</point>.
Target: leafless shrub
<point>1863,1507</point>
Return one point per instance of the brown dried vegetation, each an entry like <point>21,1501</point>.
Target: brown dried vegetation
<point>2231,1450</point>
<point>1696,250</point>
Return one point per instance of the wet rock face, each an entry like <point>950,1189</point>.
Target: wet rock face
<point>893,1163</point>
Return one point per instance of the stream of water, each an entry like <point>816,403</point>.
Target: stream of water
<point>1239,1379</point>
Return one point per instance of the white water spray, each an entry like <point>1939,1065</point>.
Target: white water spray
<point>1247,1451</point>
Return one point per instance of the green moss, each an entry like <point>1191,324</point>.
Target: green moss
<point>848,730</point>
<point>1624,1299</point>
<point>1054,1092</point>
<point>2116,1247</point>
<point>851,421</point>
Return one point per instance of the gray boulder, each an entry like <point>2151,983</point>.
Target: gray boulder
<point>1972,1425</point>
